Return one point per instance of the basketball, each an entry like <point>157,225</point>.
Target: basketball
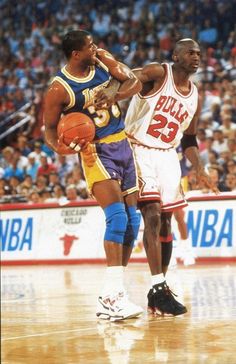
<point>74,125</point>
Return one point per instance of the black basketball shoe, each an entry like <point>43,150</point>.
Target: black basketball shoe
<point>161,301</point>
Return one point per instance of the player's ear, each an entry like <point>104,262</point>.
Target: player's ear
<point>175,58</point>
<point>75,53</point>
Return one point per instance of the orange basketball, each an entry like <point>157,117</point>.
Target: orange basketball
<point>76,124</point>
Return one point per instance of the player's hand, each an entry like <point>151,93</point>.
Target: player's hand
<point>104,98</point>
<point>62,148</point>
<point>106,58</point>
<point>88,154</point>
<point>205,179</point>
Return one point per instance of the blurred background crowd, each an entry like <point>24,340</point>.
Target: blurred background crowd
<point>136,32</point>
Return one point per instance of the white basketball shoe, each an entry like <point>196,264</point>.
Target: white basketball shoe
<point>117,307</point>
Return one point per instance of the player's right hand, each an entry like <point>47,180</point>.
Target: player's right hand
<point>206,180</point>
<point>63,149</point>
<point>85,148</point>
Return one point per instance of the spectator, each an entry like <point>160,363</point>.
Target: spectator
<point>205,153</point>
<point>53,180</point>
<point>41,183</point>
<point>7,156</point>
<point>201,139</point>
<point>231,144</point>
<point>22,145</point>
<point>227,125</point>
<point>45,195</point>
<point>219,142</point>
<point>37,151</point>
<point>14,183</point>
<point>64,166</point>
<point>32,167</point>
<point>45,168</point>
<point>72,194</point>
<point>208,34</point>
<point>34,198</point>
<point>58,195</point>
<point>230,182</point>
<point>13,170</point>
<point>231,166</point>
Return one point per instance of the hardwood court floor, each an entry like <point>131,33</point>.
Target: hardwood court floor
<point>48,317</point>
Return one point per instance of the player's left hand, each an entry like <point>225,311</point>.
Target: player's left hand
<point>104,98</point>
<point>205,179</point>
<point>88,154</point>
<point>86,150</point>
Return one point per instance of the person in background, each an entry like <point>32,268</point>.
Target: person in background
<point>32,167</point>
<point>230,182</point>
<point>22,145</point>
<point>45,168</point>
<point>72,194</point>
<point>58,195</point>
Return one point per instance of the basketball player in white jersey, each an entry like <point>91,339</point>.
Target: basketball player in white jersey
<point>161,116</point>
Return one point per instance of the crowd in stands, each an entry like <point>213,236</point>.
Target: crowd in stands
<point>136,32</point>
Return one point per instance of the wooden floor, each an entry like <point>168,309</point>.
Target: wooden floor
<point>48,317</point>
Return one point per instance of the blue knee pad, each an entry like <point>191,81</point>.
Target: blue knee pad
<point>116,222</point>
<point>134,218</point>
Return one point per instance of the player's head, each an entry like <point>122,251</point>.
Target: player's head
<point>186,55</point>
<point>79,44</point>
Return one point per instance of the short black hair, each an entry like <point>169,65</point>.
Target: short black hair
<point>73,40</point>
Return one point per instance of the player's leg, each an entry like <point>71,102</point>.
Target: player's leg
<point>132,226</point>
<point>151,212</point>
<point>160,298</point>
<point>166,239</point>
<point>113,303</point>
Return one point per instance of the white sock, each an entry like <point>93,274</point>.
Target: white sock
<point>158,278</point>
<point>113,280</point>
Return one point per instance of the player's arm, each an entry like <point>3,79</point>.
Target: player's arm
<point>55,99</point>
<point>149,73</point>
<point>191,151</point>
<point>124,84</point>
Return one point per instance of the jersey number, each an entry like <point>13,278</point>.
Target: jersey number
<point>102,117</point>
<point>156,129</point>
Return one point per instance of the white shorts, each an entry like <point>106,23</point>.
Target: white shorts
<point>159,177</point>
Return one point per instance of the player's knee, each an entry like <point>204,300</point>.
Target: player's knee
<point>150,210</point>
<point>166,226</point>
<point>116,222</point>
<point>132,226</point>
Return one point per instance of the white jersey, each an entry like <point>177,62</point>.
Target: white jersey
<point>158,120</point>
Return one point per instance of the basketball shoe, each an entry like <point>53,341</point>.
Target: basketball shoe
<point>161,301</point>
<point>117,307</point>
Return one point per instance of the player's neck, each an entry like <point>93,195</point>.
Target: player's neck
<point>181,80</point>
<point>79,71</point>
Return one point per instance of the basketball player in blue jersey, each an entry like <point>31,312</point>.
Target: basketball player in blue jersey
<point>108,162</point>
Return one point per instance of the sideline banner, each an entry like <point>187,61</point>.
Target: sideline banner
<point>52,233</point>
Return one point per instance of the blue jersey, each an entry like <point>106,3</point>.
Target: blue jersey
<point>82,91</point>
